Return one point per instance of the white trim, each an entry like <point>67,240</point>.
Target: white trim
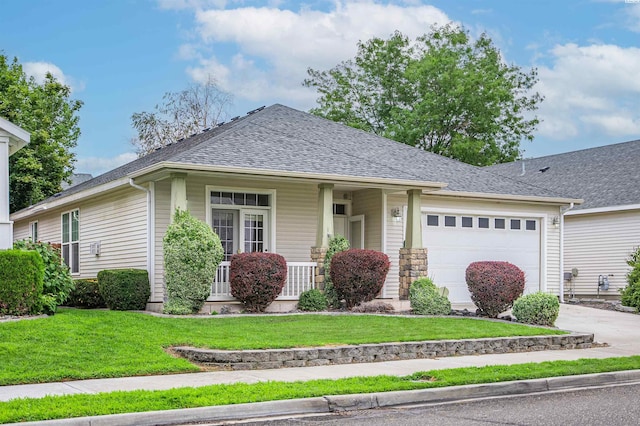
<point>271,208</point>
<point>509,197</point>
<point>34,222</point>
<point>152,238</point>
<point>609,209</point>
<point>563,211</point>
<point>480,212</point>
<point>383,234</point>
<point>149,227</point>
<point>62,243</point>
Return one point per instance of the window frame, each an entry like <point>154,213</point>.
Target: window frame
<point>73,245</point>
<point>33,231</point>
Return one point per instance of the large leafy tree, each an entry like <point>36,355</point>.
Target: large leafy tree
<point>443,92</point>
<point>180,115</point>
<point>50,115</point>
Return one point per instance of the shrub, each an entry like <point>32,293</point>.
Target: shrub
<point>537,308</point>
<point>58,283</point>
<point>124,289</point>
<point>86,295</point>
<point>257,279</point>
<point>631,293</point>
<point>358,275</point>
<point>21,277</point>
<point>192,253</point>
<point>373,307</point>
<point>312,300</point>
<point>337,244</point>
<point>426,299</point>
<point>494,286</point>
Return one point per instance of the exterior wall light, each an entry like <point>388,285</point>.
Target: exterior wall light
<point>556,222</point>
<point>396,214</point>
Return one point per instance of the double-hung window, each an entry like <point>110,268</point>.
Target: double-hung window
<point>71,240</point>
<point>33,231</point>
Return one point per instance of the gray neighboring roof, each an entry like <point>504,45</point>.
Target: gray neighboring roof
<point>605,176</point>
<point>283,139</point>
<point>76,178</point>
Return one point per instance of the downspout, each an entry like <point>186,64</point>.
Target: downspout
<point>150,266</point>
<point>563,210</point>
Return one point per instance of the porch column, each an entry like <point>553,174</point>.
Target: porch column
<point>178,192</point>
<point>413,256</point>
<point>6,226</point>
<point>324,230</point>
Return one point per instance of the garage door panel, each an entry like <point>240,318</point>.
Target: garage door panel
<point>452,249</point>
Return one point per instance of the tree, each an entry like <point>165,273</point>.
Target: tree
<point>47,112</point>
<point>181,114</point>
<point>443,92</point>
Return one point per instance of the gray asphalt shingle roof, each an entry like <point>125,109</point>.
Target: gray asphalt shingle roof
<point>283,139</point>
<point>605,176</point>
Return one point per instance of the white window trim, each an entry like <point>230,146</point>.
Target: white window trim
<point>271,207</point>
<point>31,224</point>
<point>71,241</point>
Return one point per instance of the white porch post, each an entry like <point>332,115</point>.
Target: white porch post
<point>12,138</point>
<point>413,237</point>
<point>325,215</point>
<point>178,192</point>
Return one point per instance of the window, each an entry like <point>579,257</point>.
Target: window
<point>242,221</point>
<point>33,231</point>
<point>483,222</point>
<point>515,223</point>
<point>467,222</point>
<point>530,225</point>
<point>449,221</point>
<point>339,209</point>
<point>71,240</point>
<point>499,223</point>
<point>432,220</point>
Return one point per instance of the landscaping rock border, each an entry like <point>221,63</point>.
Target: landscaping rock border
<point>380,352</point>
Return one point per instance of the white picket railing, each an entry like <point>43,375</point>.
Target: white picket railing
<point>301,276</point>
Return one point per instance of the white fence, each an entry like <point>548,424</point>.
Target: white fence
<point>301,276</point>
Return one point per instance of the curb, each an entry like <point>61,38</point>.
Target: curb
<point>344,403</point>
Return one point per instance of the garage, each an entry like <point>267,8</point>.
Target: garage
<point>456,240</point>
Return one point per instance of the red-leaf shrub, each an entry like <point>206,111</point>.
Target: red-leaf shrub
<point>358,275</point>
<point>257,279</point>
<point>494,286</point>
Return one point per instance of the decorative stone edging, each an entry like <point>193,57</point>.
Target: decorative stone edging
<point>379,352</point>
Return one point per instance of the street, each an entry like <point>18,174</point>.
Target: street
<point>611,406</point>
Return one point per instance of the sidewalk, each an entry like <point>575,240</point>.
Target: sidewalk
<point>620,330</point>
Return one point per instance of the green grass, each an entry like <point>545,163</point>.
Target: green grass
<point>81,344</point>
<point>59,407</point>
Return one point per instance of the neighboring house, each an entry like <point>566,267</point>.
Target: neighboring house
<point>601,233</point>
<point>12,139</point>
<point>285,181</point>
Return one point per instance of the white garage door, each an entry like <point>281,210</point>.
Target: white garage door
<point>454,241</point>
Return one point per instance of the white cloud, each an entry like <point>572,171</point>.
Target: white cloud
<point>274,47</point>
<point>98,165</point>
<point>590,89</point>
<point>39,70</point>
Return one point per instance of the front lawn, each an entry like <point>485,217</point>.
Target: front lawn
<point>69,406</point>
<point>82,344</point>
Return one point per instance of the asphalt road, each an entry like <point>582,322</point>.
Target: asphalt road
<point>609,406</point>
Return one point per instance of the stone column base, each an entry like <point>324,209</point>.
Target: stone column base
<point>317,255</point>
<point>413,265</point>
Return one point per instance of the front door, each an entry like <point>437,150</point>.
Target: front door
<point>255,230</point>
<point>242,230</point>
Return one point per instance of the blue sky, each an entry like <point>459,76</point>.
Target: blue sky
<point>121,56</point>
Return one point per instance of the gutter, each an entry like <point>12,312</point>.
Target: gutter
<point>563,211</point>
<point>150,230</point>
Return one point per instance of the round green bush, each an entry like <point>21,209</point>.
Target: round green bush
<point>425,299</point>
<point>86,295</point>
<point>537,308</point>
<point>630,295</point>
<point>192,253</point>
<point>124,289</point>
<point>312,300</point>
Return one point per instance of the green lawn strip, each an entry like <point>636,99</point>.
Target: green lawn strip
<point>82,344</point>
<point>60,407</point>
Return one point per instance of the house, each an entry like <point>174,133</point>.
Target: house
<point>601,233</point>
<point>12,139</point>
<point>281,180</point>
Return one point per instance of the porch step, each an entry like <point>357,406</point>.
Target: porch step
<point>352,354</point>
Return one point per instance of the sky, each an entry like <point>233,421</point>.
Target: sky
<point>121,56</point>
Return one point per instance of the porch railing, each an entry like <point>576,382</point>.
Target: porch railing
<point>301,276</point>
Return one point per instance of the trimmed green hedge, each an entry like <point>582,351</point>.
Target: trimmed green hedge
<point>21,281</point>
<point>124,289</point>
<point>86,294</point>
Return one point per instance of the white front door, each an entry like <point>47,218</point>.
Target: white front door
<point>242,230</point>
<point>254,232</point>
